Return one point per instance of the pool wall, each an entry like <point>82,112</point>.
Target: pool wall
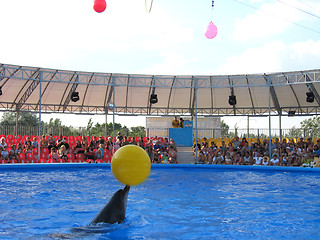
<point>36,166</point>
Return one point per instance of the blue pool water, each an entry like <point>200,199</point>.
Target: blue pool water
<point>57,202</point>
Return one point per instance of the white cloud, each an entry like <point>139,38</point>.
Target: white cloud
<point>255,60</point>
<point>172,64</point>
<point>43,35</point>
<point>260,24</point>
<point>273,57</point>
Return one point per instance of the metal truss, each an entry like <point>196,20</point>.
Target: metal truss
<point>74,79</point>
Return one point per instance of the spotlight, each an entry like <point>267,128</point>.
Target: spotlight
<point>291,113</point>
<point>0,90</point>
<point>153,98</point>
<point>310,96</point>
<point>232,100</point>
<point>75,97</point>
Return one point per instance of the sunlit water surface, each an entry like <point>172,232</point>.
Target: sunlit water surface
<point>174,203</point>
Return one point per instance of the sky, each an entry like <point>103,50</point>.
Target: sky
<point>254,36</point>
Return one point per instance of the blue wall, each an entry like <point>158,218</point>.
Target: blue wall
<point>182,136</point>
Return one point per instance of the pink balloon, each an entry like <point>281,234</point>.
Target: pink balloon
<point>212,31</point>
<point>99,5</point>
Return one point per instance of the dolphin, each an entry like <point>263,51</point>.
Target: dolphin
<point>115,210</point>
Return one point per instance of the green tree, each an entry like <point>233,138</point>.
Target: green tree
<point>310,127</point>
<point>24,118</point>
<point>224,129</point>
<point>138,131</point>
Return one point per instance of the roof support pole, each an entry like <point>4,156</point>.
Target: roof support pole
<point>114,106</point>
<point>106,125</point>
<point>280,130</point>
<point>16,128</point>
<point>40,95</point>
<point>195,80</point>
<point>269,99</point>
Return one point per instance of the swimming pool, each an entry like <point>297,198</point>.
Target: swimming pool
<point>44,201</point>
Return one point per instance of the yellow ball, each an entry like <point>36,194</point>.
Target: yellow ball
<point>130,165</point>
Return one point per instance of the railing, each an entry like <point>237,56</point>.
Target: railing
<point>251,133</point>
<point>164,132</point>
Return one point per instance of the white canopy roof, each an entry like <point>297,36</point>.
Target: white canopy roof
<point>177,95</point>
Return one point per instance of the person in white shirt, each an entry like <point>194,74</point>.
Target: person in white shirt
<point>274,161</point>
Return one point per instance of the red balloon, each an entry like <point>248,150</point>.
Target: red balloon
<point>99,5</point>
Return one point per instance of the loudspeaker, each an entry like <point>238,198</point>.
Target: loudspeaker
<point>153,98</point>
<point>310,97</point>
<point>232,100</point>
<point>291,113</point>
<point>75,97</point>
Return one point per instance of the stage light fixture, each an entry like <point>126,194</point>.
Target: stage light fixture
<point>291,113</point>
<point>232,100</point>
<point>75,97</point>
<point>153,98</point>
<point>310,96</point>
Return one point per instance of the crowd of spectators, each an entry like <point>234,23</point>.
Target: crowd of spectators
<point>63,149</point>
<point>288,152</point>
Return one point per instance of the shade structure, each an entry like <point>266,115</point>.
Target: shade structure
<point>176,94</point>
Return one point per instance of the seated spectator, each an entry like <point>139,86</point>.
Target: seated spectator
<point>117,145</point>
<point>79,148</point>
<point>218,159</point>
<point>258,159</point>
<point>157,146</point>
<point>235,142</point>
<point>99,154</point>
<point>59,141</point>
<point>265,161</point>
<point>154,140</point>
<point>28,148</point>
<point>172,155</point>
<point>149,149</point>
<point>132,141</point>
<point>119,137</point>
<point>173,144</point>
<point>156,156</point>
<point>205,142</point>
<point>141,143</point>
<point>124,141</point>
<point>274,161</point>
<point>84,142</point>
<point>5,154</point>
<point>35,143</point>
<point>283,159</point>
<point>165,158</point>
<point>28,141</point>
<point>3,142</point>
<point>51,142</point>
<point>13,154</point>
<point>247,159</point>
<point>43,142</point>
<point>164,144</point>
<point>228,159</point>
<point>54,154</point>
<point>89,153</point>
<point>63,142</point>
<point>94,143</point>
<point>201,158</point>
<point>20,148</point>
<point>109,144</point>
<point>101,141</point>
<point>63,153</point>
<point>237,160</point>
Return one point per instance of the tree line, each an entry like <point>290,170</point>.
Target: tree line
<point>28,123</point>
